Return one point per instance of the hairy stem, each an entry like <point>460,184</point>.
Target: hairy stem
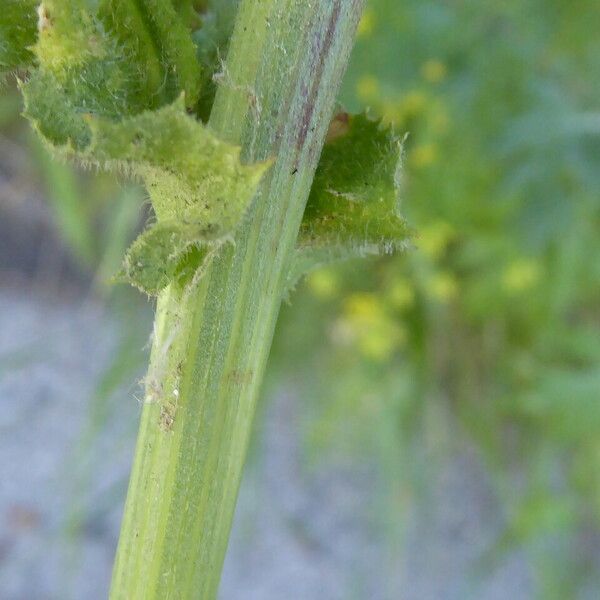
<point>212,338</point>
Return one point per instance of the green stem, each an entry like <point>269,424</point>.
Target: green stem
<point>212,338</point>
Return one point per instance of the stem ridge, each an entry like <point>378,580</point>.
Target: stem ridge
<point>291,54</point>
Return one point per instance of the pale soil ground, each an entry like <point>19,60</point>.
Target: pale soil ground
<point>300,534</point>
<point>318,533</point>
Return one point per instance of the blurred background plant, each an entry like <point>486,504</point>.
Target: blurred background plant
<point>488,332</point>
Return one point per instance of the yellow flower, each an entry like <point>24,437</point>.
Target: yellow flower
<point>423,156</point>
<point>435,238</point>
<point>434,71</point>
<point>323,283</point>
<point>442,287</point>
<point>401,294</point>
<point>367,88</point>
<point>363,307</point>
<point>413,103</point>
<point>366,24</point>
<point>521,275</point>
<point>370,327</point>
<point>379,343</point>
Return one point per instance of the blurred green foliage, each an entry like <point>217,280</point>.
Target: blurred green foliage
<point>490,330</point>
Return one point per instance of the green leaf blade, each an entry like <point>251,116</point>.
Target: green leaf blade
<point>199,189</point>
<point>157,39</point>
<point>157,256</point>
<point>192,176</point>
<point>113,88</point>
<point>353,206</point>
<point>18,31</point>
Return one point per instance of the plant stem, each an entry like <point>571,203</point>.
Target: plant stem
<point>212,338</point>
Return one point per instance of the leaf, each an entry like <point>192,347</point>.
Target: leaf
<point>18,32</point>
<point>191,175</point>
<point>158,255</point>
<point>94,98</point>
<point>196,182</point>
<point>154,32</point>
<point>352,209</point>
<point>58,118</point>
<point>124,57</point>
<point>82,69</point>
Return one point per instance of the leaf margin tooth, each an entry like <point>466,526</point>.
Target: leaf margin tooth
<point>355,214</point>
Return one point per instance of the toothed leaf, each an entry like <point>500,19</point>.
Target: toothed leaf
<point>83,70</point>
<point>155,34</point>
<point>159,254</point>
<point>113,88</point>
<point>124,57</point>
<point>353,205</point>
<point>193,178</point>
<point>191,175</point>
<point>18,32</point>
